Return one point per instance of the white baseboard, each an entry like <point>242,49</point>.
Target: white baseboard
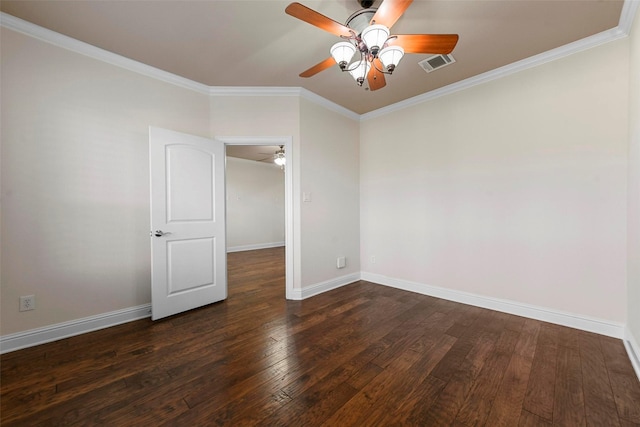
<point>633,350</point>
<point>318,288</point>
<point>59,331</point>
<point>254,247</point>
<point>598,326</point>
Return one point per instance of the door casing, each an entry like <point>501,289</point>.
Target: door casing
<point>287,142</point>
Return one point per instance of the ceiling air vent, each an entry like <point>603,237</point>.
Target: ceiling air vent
<point>437,61</point>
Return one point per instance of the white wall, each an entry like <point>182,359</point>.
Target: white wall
<point>265,116</point>
<point>75,180</point>
<point>330,173</point>
<point>75,184</point>
<point>328,226</point>
<point>515,189</point>
<point>255,205</point>
<point>633,296</point>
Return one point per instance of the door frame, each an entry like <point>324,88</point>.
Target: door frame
<point>287,142</point>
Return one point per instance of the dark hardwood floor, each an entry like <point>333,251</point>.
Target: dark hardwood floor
<point>361,355</point>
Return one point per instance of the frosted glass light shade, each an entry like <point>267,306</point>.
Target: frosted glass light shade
<point>280,161</point>
<point>374,36</point>
<point>390,57</point>
<point>361,70</point>
<point>342,52</point>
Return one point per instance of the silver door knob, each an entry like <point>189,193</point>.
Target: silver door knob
<point>160,233</point>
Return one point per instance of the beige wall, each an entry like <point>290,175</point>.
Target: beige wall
<point>255,204</point>
<point>75,180</point>
<point>265,116</point>
<point>319,135</point>
<point>633,298</point>
<point>330,173</point>
<point>514,189</point>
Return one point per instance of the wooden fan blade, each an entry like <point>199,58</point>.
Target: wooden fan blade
<point>327,63</point>
<point>426,43</point>
<point>376,78</point>
<point>389,12</point>
<point>305,14</point>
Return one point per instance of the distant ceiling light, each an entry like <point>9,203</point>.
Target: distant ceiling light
<point>279,158</point>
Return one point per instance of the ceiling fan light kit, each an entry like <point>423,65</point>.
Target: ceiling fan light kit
<point>360,70</point>
<point>279,158</point>
<point>342,52</point>
<point>375,36</point>
<point>369,44</point>
<point>368,31</point>
<point>390,57</point>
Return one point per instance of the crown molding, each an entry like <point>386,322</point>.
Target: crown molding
<point>66,42</point>
<point>629,11</point>
<point>282,91</point>
<point>498,73</point>
<point>253,91</point>
<point>329,105</point>
<point>69,43</point>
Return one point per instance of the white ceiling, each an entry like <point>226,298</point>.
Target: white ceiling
<point>254,43</point>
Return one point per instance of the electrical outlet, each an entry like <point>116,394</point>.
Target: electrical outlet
<point>373,259</point>
<point>27,302</point>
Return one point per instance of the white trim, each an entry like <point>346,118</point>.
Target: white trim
<point>598,326</point>
<point>329,105</point>
<point>318,288</point>
<point>65,42</point>
<point>296,295</point>
<point>622,30</point>
<point>253,91</point>
<point>525,64</point>
<point>283,91</point>
<point>289,219</point>
<point>59,331</point>
<point>629,9</point>
<point>255,247</point>
<point>633,350</point>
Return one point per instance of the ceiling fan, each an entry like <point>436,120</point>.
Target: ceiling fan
<point>278,157</point>
<point>367,31</point>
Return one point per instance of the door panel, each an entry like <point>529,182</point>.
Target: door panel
<point>191,265</point>
<point>188,247</point>
<point>190,192</point>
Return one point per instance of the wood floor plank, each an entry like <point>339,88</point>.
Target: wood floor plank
<point>568,405</point>
<point>359,355</point>
<point>527,419</point>
<point>358,407</point>
<point>598,394</point>
<point>507,406</point>
<point>477,404</point>
<point>445,409</point>
<point>539,397</point>
<point>417,387</point>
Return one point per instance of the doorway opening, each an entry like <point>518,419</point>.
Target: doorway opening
<point>262,150</point>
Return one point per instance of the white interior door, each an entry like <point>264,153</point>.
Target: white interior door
<point>188,247</point>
